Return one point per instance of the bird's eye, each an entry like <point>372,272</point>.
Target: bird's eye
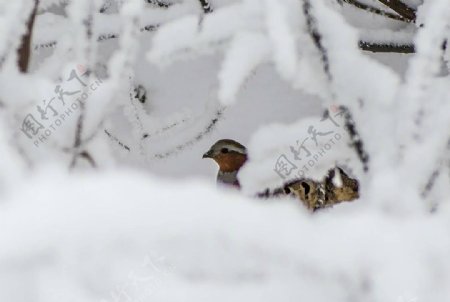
<point>224,150</point>
<point>287,190</point>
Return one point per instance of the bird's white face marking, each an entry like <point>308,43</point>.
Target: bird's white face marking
<point>227,145</point>
<point>235,149</point>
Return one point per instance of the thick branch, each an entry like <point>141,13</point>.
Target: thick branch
<point>25,45</point>
<point>401,8</point>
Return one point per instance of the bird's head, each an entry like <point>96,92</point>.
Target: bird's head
<point>348,190</point>
<point>228,154</point>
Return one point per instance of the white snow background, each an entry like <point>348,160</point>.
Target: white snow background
<point>150,225</point>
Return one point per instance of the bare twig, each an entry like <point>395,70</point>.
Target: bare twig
<point>355,139</point>
<point>101,38</point>
<point>430,183</point>
<point>376,11</point>
<point>25,45</point>
<point>387,47</point>
<point>316,37</point>
<point>195,139</point>
<point>159,3</point>
<point>164,129</point>
<point>88,23</point>
<point>179,147</point>
<point>137,109</point>
<point>437,172</point>
<point>104,8</point>
<point>115,139</point>
<point>206,6</point>
<point>87,156</point>
<point>401,8</point>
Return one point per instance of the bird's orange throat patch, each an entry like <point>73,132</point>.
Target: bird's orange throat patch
<point>230,162</point>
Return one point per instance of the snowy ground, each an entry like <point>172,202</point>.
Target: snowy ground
<point>120,236</point>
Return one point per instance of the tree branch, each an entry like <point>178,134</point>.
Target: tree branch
<point>159,3</point>
<point>355,138</point>
<point>209,127</point>
<point>401,8</point>
<point>206,6</point>
<point>316,37</point>
<point>375,10</point>
<point>87,23</point>
<point>387,47</point>
<point>116,140</point>
<point>87,156</point>
<point>437,172</point>
<point>25,45</point>
<point>101,38</point>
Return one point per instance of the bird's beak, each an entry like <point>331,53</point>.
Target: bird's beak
<point>208,154</point>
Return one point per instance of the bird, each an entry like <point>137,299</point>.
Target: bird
<point>341,187</point>
<point>336,186</point>
<point>230,156</point>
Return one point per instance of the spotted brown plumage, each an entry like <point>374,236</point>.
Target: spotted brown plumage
<point>309,192</point>
<point>347,188</point>
<point>336,187</point>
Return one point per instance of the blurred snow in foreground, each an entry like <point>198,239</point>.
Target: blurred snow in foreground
<point>131,237</point>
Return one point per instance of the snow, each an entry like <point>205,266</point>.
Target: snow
<point>75,238</point>
<point>247,51</point>
<point>312,146</point>
<point>141,218</point>
<point>282,37</point>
